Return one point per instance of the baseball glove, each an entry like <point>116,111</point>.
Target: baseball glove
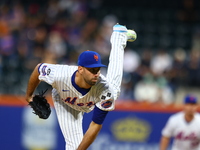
<point>40,106</point>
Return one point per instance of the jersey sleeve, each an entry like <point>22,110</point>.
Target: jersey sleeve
<point>169,127</point>
<point>107,102</point>
<point>47,73</point>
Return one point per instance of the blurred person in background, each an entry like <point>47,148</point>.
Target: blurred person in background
<point>56,47</point>
<point>161,62</point>
<point>183,127</point>
<point>131,63</point>
<point>178,73</point>
<point>193,68</point>
<point>146,90</point>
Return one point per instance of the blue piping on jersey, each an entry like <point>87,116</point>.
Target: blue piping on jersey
<point>39,68</point>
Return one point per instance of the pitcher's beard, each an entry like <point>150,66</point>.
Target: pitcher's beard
<point>90,82</point>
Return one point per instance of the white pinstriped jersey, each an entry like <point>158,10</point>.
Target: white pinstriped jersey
<point>186,135</point>
<point>70,104</point>
<point>103,93</point>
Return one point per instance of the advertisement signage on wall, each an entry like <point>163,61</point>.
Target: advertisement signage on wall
<point>128,127</point>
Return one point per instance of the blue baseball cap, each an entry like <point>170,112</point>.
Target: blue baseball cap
<point>189,99</point>
<point>90,59</point>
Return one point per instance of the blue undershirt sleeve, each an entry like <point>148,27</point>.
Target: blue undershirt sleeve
<point>99,115</point>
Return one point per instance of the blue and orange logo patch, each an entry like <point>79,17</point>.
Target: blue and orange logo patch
<point>106,104</point>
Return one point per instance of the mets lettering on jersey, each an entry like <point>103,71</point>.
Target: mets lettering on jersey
<point>72,101</point>
<point>192,137</point>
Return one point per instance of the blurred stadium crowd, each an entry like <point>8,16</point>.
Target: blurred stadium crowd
<point>165,57</point>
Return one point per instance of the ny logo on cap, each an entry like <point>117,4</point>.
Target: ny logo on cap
<point>96,57</point>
